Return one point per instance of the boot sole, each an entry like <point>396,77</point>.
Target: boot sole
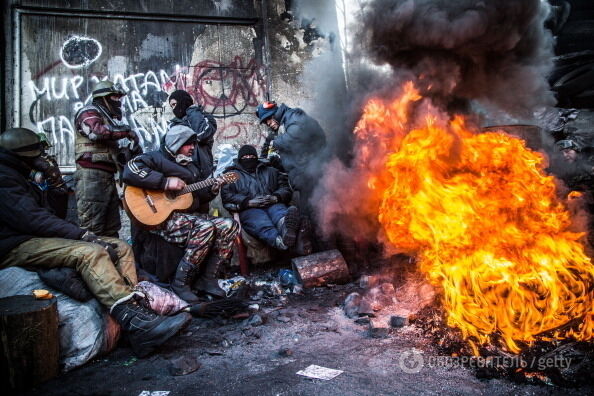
<point>142,349</point>
<point>292,224</point>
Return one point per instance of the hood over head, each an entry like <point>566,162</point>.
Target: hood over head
<point>176,136</point>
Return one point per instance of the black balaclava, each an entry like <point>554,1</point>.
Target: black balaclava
<point>113,107</point>
<point>184,100</point>
<point>249,164</point>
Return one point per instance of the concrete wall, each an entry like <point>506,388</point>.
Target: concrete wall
<point>229,54</point>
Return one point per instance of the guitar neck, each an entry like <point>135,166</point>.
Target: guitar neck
<point>196,186</point>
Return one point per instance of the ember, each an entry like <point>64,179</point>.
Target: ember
<point>484,221</point>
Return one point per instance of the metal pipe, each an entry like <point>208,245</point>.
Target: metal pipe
<point>139,16</point>
<point>16,48</point>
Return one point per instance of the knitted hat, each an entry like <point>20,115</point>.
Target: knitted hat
<point>266,110</point>
<point>247,150</point>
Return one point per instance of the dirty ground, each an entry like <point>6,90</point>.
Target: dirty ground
<point>262,354</point>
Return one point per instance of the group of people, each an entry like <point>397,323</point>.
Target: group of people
<point>34,233</point>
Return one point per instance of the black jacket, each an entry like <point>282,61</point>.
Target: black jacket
<point>301,147</point>
<point>151,170</point>
<point>24,211</point>
<point>267,180</point>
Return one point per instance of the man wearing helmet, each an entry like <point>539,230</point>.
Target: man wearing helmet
<point>579,174</point>
<point>302,154</point>
<point>32,235</point>
<point>99,127</point>
<point>300,147</point>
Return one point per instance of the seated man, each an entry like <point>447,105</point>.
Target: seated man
<point>207,240</point>
<point>31,235</point>
<point>260,196</point>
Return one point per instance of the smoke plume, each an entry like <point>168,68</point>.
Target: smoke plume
<point>494,51</point>
<point>493,55</point>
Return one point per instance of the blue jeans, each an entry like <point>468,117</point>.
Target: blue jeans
<point>262,222</point>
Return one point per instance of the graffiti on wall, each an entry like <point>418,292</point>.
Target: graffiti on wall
<point>226,90</point>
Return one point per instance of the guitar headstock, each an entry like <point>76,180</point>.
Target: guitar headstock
<point>230,177</point>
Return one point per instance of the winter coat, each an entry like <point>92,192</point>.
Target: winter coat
<point>301,146</point>
<point>24,210</point>
<point>267,180</point>
<point>205,126</point>
<point>151,170</point>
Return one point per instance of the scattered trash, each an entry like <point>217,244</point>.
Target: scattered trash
<point>226,344</point>
<point>254,307</point>
<point>287,278</point>
<point>398,321</point>
<point>130,361</point>
<point>285,352</point>
<point>183,365</point>
<point>319,372</point>
<point>255,320</point>
<point>378,328</point>
<point>231,285</point>
<point>298,289</point>
<point>154,393</point>
<point>272,288</point>
<point>241,315</point>
<point>351,305</point>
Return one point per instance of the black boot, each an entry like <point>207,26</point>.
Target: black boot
<point>147,330</point>
<point>303,245</point>
<point>288,226</point>
<point>208,282</point>
<point>183,279</point>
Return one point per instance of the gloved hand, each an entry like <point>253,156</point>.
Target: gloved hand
<point>258,202</point>
<point>110,247</point>
<point>134,137</point>
<point>49,169</point>
<point>119,131</point>
<point>272,199</point>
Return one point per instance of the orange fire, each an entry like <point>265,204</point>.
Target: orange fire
<point>483,219</point>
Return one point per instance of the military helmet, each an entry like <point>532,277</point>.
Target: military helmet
<point>105,88</point>
<point>266,110</point>
<point>21,141</point>
<point>568,144</point>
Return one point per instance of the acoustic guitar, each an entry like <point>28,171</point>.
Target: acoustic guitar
<point>153,207</point>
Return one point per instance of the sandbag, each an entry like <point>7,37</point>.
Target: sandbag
<point>85,329</point>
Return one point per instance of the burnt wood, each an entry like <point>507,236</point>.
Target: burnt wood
<point>321,268</point>
<point>29,342</point>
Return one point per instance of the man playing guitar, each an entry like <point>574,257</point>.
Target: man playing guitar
<point>207,240</point>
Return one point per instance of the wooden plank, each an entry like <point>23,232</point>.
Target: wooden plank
<point>321,268</point>
<point>29,342</point>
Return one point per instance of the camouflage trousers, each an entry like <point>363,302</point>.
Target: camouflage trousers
<point>97,201</point>
<point>107,281</point>
<point>200,235</point>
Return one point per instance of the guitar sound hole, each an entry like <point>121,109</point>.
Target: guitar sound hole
<point>170,194</point>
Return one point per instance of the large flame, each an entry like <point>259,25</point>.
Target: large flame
<point>484,220</point>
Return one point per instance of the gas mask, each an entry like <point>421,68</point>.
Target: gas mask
<point>45,171</point>
<point>183,159</point>
<point>115,107</point>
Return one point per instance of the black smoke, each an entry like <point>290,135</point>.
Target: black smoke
<point>496,52</point>
<point>463,55</point>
